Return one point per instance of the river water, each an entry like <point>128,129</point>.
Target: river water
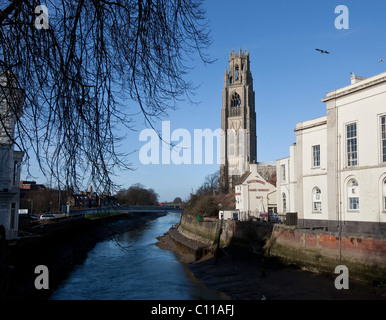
<point>131,267</point>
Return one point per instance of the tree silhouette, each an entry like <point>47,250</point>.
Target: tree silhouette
<point>77,75</point>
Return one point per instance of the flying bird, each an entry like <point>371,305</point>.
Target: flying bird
<point>322,51</point>
<point>380,60</point>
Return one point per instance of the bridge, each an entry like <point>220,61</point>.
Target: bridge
<point>126,209</point>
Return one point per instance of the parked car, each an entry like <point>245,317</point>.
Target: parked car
<point>45,216</point>
<point>273,217</point>
<point>33,218</point>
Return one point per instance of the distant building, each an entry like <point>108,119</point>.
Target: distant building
<point>26,187</point>
<point>229,214</point>
<point>31,185</point>
<point>90,199</point>
<point>335,176</point>
<point>10,160</point>
<point>255,197</point>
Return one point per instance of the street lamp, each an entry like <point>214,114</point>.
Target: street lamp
<point>32,205</point>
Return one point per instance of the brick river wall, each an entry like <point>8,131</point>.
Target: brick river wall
<point>365,256</point>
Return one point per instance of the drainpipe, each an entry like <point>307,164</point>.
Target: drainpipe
<point>338,182</point>
<point>288,184</point>
<point>338,177</point>
<point>268,195</point>
<point>248,199</point>
<point>337,163</point>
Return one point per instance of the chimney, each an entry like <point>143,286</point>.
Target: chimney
<point>356,79</point>
<point>253,167</point>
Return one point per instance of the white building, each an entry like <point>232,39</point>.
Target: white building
<point>229,214</point>
<point>10,160</point>
<point>337,169</point>
<point>285,183</point>
<point>254,196</point>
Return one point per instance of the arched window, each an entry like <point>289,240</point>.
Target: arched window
<point>316,200</point>
<point>242,139</point>
<point>284,202</point>
<point>231,135</point>
<point>353,194</point>
<point>384,194</point>
<point>236,101</point>
<point>236,72</point>
<point>235,105</point>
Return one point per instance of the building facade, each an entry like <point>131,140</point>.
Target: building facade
<point>286,183</point>
<point>255,197</point>
<point>10,160</point>
<point>238,121</point>
<point>338,164</point>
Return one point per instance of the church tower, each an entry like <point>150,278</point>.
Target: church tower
<point>238,121</point>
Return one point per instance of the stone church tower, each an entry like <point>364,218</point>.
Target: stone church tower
<point>238,121</point>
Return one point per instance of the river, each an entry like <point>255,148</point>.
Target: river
<point>131,267</point>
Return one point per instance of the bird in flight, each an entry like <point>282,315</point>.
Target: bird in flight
<point>322,51</point>
<point>380,60</point>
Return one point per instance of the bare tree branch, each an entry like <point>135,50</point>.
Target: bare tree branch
<point>77,75</point>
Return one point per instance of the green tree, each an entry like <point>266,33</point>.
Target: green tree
<point>204,206</point>
<point>177,200</point>
<point>137,194</point>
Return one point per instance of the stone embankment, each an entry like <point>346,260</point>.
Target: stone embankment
<point>60,246</point>
<point>253,262</point>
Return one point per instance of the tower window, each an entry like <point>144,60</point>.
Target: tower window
<point>242,140</point>
<point>235,105</point>
<point>236,101</point>
<point>231,134</point>
<point>237,72</point>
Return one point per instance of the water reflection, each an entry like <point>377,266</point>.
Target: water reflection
<point>132,267</point>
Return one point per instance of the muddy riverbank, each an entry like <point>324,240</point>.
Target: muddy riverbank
<point>244,275</point>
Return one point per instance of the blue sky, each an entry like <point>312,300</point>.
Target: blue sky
<point>290,77</point>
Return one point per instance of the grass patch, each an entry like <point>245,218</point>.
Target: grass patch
<point>102,214</point>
